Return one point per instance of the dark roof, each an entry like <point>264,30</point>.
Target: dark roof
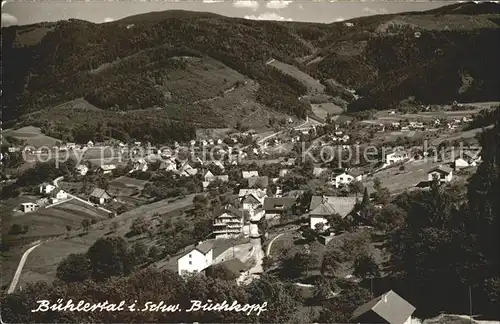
<point>231,210</point>
<point>443,169</point>
<point>472,154</point>
<point>389,306</point>
<point>204,247</point>
<point>98,193</point>
<point>235,266</point>
<point>278,203</point>
<point>250,198</point>
<point>258,181</point>
<point>342,205</point>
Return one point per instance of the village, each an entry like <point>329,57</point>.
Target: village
<point>261,195</point>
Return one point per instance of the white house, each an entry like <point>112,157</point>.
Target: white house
<point>395,157</point>
<point>28,207</point>
<point>248,174</point>
<point>90,144</point>
<point>342,179</point>
<point>442,173</point>
<point>387,308</point>
<point>82,169</point>
<point>107,168</point>
<point>196,260</point>
<point>58,195</point>
<point>228,222</point>
<point>46,188</point>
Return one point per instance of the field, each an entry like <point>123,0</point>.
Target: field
<point>53,220</point>
<point>321,110</point>
<point>125,186</point>
<point>397,181</point>
<point>42,262</point>
<point>312,84</point>
<point>33,136</point>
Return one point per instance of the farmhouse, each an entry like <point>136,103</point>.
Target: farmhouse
<point>275,207</point>
<point>57,195</point>
<point>228,222</point>
<point>442,173</point>
<point>388,308</point>
<point>196,260</point>
<point>28,207</point>
<point>472,157</point>
<point>346,178</point>
<point>46,188</point>
<point>395,157</point>
<point>99,196</point>
<point>82,169</point>
<point>322,207</point>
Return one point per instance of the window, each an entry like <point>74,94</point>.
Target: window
<point>190,255</point>
<point>190,262</point>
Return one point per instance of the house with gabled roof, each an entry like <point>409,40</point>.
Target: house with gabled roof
<point>443,173</point>
<point>276,207</point>
<point>253,199</point>
<point>388,308</point>
<point>100,196</point>
<point>322,207</point>
<point>196,260</point>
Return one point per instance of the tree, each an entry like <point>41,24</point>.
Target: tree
<point>139,226</point>
<point>366,198</point>
<point>16,229</point>
<point>74,268</point>
<point>110,256</point>
<point>114,226</point>
<point>356,187</point>
<point>86,225</point>
<point>351,297</point>
<point>366,267</point>
<point>139,252</point>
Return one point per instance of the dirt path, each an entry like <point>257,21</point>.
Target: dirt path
<point>20,267</point>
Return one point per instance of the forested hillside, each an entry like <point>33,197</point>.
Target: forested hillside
<point>135,63</point>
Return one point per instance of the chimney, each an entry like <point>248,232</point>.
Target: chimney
<point>385,298</point>
<point>324,199</point>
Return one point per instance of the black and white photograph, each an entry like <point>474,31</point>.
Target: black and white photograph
<point>241,161</point>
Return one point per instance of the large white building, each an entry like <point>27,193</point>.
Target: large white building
<point>345,179</point>
<point>196,260</point>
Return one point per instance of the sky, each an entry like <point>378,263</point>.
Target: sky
<point>23,12</point>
